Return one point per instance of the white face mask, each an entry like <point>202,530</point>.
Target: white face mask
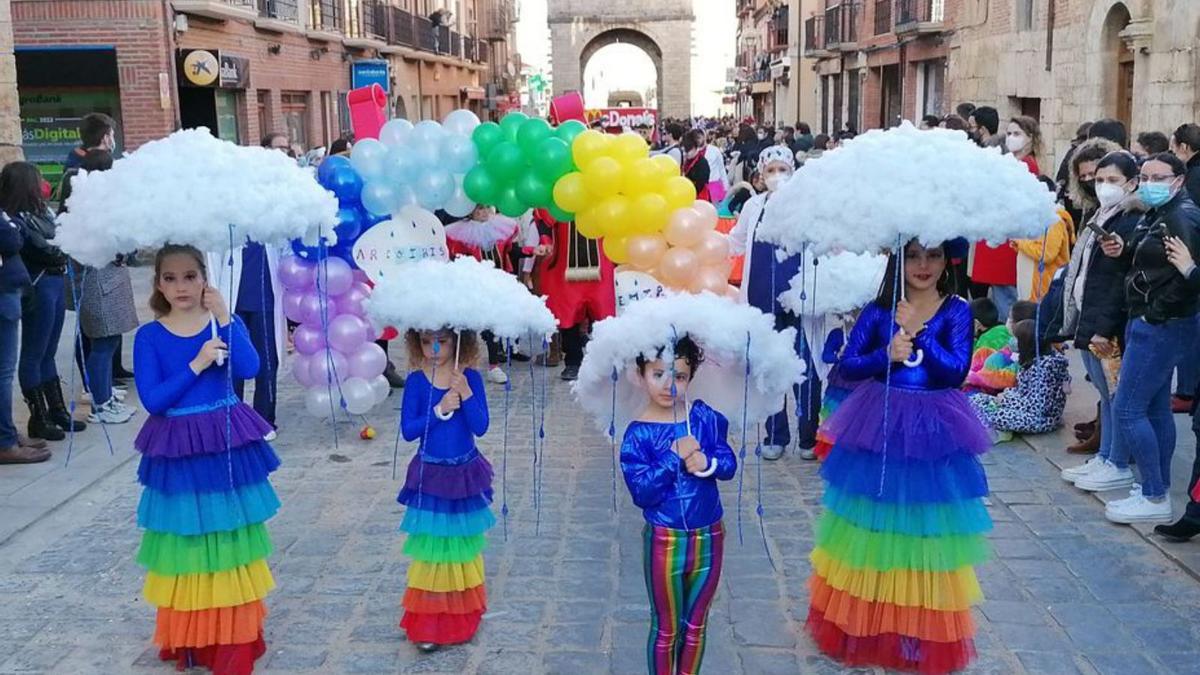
<point>775,180</point>
<point>1109,195</point>
<point>1016,142</point>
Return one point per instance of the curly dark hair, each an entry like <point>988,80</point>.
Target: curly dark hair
<point>468,354</point>
<point>685,348</point>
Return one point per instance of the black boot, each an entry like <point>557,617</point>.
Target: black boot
<point>59,414</point>
<point>1180,530</point>
<point>40,425</point>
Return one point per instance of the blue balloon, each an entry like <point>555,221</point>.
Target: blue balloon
<point>345,251</point>
<point>350,224</point>
<point>310,253</point>
<point>372,219</point>
<point>342,180</point>
<point>329,165</point>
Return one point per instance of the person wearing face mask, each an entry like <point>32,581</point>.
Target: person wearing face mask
<point>1185,144</point>
<point>764,276</point>
<point>1163,294</point>
<point>1094,315</point>
<point>695,166</point>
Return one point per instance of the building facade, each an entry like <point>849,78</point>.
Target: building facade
<point>776,81</point>
<point>243,68</point>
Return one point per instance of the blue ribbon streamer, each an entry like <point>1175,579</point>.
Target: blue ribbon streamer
<point>504,451</point>
<point>612,434</point>
<point>541,464</point>
<point>86,380</point>
<point>745,423</point>
<point>887,377</point>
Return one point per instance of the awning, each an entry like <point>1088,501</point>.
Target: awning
<point>473,93</point>
<point>762,88</point>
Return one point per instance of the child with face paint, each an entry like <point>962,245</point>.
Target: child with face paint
<point>672,456</point>
<point>447,490</point>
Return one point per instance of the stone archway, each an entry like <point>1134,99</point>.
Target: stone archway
<point>660,28</point>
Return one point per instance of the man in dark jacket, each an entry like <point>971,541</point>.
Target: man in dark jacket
<point>96,131</point>
<point>1185,144</point>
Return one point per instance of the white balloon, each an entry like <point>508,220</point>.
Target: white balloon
<point>367,158</point>
<point>459,205</point>
<point>405,196</point>
<point>380,387</point>
<point>395,132</point>
<point>458,154</point>
<point>461,121</point>
<point>434,188</point>
<point>358,395</point>
<point>428,155</point>
<point>316,401</point>
<point>379,197</point>
<point>400,166</point>
<point>425,133</point>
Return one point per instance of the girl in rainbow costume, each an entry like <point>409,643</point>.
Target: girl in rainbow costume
<point>204,468</point>
<point>904,520</point>
<point>447,490</point>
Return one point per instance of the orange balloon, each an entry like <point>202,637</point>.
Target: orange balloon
<point>684,229</point>
<point>708,279</point>
<point>650,213</point>
<point>646,250</point>
<point>712,249</point>
<point>589,223</point>
<point>679,192</point>
<point>665,165</point>
<point>677,267</point>
<point>615,249</point>
<point>705,209</point>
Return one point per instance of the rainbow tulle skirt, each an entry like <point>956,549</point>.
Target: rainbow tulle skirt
<point>893,566</point>
<point>447,514</point>
<point>837,389</point>
<point>205,500</point>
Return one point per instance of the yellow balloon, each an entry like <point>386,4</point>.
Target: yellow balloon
<point>679,192</point>
<point>590,146</point>
<point>616,216</point>
<point>630,147</point>
<point>650,213</point>
<point>666,166</point>
<point>602,177</point>
<point>641,176</point>
<point>589,224</point>
<point>570,193</point>
<point>617,250</point>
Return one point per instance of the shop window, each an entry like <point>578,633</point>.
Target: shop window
<point>294,105</point>
<point>264,116</point>
<point>931,87</point>
<point>228,128</point>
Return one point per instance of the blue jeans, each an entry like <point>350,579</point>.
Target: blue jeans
<point>807,397</point>
<point>100,367</point>
<point>1187,373</point>
<point>1142,406</point>
<point>1110,449</point>
<point>42,314</point>
<point>10,317</point>
<point>1003,297</point>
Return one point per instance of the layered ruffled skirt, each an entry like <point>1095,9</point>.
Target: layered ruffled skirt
<point>893,579</point>
<point>448,513</point>
<point>837,390</point>
<point>203,508</point>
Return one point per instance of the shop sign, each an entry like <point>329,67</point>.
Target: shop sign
<point>370,71</point>
<point>623,118</point>
<point>50,119</point>
<point>209,68</point>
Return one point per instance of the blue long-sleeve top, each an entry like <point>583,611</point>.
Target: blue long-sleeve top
<point>833,346</point>
<point>659,482</point>
<point>946,343</point>
<point>164,378</point>
<point>446,439</point>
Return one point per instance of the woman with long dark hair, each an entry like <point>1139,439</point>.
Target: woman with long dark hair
<point>44,307</point>
<point>14,279</point>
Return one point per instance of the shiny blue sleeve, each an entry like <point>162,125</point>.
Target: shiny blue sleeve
<point>863,357</point>
<point>416,407</point>
<point>476,408</point>
<point>648,477</point>
<point>718,448</point>
<point>243,357</point>
<point>947,347</point>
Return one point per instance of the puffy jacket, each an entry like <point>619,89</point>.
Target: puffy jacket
<point>40,255</point>
<point>1104,311</point>
<point>1155,290</point>
<point>13,275</point>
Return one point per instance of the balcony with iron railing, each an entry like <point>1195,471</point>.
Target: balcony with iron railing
<point>778,34</point>
<point>497,19</point>
<point>920,16</point>
<point>883,17</point>
<point>849,25</point>
<point>326,16</point>
<point>814,37</point>
<point>282,10</point>
<point>366,22</point>
<point>833,27</point>
<point>220,10</point>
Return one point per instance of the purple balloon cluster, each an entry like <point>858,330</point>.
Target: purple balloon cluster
<point>336,354</point>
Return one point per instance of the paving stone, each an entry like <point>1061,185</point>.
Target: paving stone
<point>1048,663</point>
<point>296,657</point>
<point>1121,663</point>
<point>769,662</point>
<point>574,663</point>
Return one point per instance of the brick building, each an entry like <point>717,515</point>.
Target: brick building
<point>246,67</point>
<point>775,83</point>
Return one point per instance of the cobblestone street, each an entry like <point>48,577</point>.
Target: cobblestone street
<point>1066,592</point>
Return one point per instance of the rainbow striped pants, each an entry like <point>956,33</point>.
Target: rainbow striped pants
<point>683,568</point>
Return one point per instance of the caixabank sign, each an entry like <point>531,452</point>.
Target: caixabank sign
<point>210,69</point>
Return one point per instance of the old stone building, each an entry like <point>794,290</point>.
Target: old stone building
<point>776,83</point>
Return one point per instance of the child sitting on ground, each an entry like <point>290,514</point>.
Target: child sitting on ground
<point>993,366</point>
<point>1035,405</point>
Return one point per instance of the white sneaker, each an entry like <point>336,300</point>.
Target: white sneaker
<point>772,452</point>
<point>271,435</point>
<point>1107,477</point>
<point>1135,492</point>
<point>121,407</point>
<point>808,454</point>
<point>1076,472</point>
<point>109,414</point>
<point>1138,509</point>
<point>496,375</point>
<point>118,393</point>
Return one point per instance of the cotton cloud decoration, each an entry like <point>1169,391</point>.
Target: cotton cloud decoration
<point>903,183</point>
<point>188,188</point>
<point>464,294</point>
<point>841,282</point>
<point>721,327</point>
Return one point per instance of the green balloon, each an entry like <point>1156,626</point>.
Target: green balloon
<point>530,137</point>
<point>480,186</point>
<point>553,159</point>
<point>560,215</point>
<point>512,123</point>
<point>569,130</point>
<point>534,191</point>
<point>510,204</point>
<point>487,136</point>
<point>505,162</point>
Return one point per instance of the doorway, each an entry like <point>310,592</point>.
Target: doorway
<point>890,96</point>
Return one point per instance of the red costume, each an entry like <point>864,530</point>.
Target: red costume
<point>576,278</point>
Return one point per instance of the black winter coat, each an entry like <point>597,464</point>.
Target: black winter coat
<point>1103,311</point>
<point>1154,289</point>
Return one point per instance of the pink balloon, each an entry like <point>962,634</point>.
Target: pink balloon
<point>300,370</point>
<point>296,274</point>
<point>347,333</point>
<point>685,228</point>
<point>334,276</point>
<point>368,362</point>
<point>292,305</point>
<point>312,309</point>
<point>361,277</point>
<point>308,338</point>
<point>645,251</point>
<point>319,367</point>
<point>707,212</point>
<point>677,267</point>
<point>713,248</point>
<point>351,302</point>
<point>709,279</point>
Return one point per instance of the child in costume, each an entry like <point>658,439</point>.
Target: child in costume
<point>904,519</point>
<point>837,386</point>
<point>447,491</point>
<point>672,458</point>
<point>1035,405</point>
<point>994,368</point>
<point>204,469</point>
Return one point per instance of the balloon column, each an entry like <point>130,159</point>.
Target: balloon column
<point>520,160</point>
<point>335,344</point>
<point>689,255</point>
